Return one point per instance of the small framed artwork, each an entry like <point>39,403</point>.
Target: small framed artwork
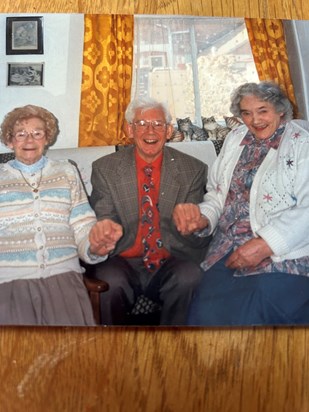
<point>25,74</point>
<point>24,35</point>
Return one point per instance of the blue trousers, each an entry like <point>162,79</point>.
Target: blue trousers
<point>265,299</point>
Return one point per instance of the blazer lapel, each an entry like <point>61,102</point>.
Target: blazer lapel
<point>170,185</point>
<point>126,187</point>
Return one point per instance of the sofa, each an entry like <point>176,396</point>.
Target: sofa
<point>83,157</point>
<point>206,151</point>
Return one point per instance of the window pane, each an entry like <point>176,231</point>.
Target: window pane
<point>191,63</point>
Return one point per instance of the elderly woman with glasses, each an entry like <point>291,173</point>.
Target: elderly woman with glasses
<point>46,226</point>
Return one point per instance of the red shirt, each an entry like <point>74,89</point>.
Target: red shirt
<point>136,250</point>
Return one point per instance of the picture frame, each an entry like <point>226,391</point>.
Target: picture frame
<point>25,74</point>
<point>24,35</point>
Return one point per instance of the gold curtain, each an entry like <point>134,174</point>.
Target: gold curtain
<point>268,46</point>
<point>106,79</point>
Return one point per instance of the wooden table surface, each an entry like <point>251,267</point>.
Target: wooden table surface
<point>154,369</point>
<point>275,9</point>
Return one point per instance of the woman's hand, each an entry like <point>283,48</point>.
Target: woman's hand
<point>250,254</point>
<point>188,218</point>
<point>103,236</point>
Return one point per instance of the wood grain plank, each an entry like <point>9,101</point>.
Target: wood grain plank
<point>288,9</point>
<point>68,6</point>
<point>151,369</point>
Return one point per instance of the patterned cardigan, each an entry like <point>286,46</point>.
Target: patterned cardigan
<point>43,233</point>
<point>279,197</point>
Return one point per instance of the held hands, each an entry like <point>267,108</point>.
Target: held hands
<point>103,236</point>
<point>249,254</point>
<point>188,219</point>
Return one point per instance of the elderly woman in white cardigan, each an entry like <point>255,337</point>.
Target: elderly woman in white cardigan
<point>256,270</point>
<point>46,226</point>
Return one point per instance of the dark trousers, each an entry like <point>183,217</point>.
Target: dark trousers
<point>262,299</point>
<point>171,288</point>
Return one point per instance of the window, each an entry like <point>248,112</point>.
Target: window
<point>191,63</point>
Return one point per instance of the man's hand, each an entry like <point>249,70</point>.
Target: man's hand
<point>188,218</point>
<point>249,254</point>
<point>103,236</point>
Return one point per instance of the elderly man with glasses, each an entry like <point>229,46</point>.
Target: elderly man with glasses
<point>151,267</point>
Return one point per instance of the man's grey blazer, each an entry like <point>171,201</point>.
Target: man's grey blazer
<point>115,196</point>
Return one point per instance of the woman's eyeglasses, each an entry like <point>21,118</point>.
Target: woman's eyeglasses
<point>23,135</point>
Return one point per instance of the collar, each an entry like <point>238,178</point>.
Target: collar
<point>272,142</point>
<point>141,163</point>
<point>35,167</point>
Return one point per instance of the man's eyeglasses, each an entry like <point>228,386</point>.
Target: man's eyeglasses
<point>23,135</point>
<point>145,124</point>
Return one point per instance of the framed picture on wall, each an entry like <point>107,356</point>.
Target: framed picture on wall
<point>24,35</point>
<point>25,74</point>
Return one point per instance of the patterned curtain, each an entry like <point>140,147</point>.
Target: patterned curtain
<point>106,79</point>
<point>270,55</point>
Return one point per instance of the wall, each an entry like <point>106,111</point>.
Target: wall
<point>63,53</point>
<point>60,93</point>
<point>297,32</point>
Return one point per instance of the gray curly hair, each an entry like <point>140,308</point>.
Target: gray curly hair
<point>29,111</point>
<point>264,91</point>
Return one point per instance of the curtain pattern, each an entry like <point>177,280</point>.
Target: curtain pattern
<point>268,46</point>
<point>106,79</point>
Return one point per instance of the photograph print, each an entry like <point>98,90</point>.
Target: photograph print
<point>25,74</point>
<point>24,35</point>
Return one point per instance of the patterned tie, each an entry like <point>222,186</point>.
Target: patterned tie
<point>151,240</point>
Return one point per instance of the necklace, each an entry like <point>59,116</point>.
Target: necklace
<point>34,186</point>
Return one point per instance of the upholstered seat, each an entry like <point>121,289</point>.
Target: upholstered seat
<point>5,157</point>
